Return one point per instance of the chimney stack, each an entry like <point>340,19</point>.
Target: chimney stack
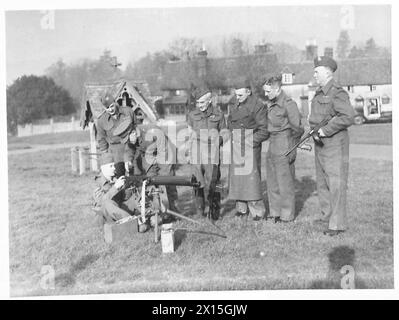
<point>311,50</point>
<point>202,62</point>
<point>329,52</point>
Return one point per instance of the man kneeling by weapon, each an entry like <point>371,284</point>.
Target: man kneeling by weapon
<point>119,197</point>
<point>110,198</point>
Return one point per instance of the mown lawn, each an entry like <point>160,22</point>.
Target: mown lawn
<point>48,138</point>
<point>374,133</point>
<point>371,133</point>
<point>51,224</point>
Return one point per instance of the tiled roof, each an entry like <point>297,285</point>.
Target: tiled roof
<point>223,72</point>
<point>92,107</point>
<point>362,71</point>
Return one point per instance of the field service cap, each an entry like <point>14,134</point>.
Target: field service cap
<point>324,61</point>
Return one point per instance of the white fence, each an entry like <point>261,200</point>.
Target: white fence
<point>52,127</point>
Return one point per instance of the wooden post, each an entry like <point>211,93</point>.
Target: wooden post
<point>74,159</point>
<point>51,125</point>
<point>82,160</point>
<point>156,227</point>
<point>93,148</point>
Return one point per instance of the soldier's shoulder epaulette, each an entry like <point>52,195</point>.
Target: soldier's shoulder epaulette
<point>288,99</point>
<point>337,87</point>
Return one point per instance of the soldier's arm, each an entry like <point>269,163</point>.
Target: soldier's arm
<point>101,138</point>
<point>224,131</point>
<point>133,117</point>
<point>345,114</point>
<point>294,119</point>
<point>260,115</point>
<point>111,193</point>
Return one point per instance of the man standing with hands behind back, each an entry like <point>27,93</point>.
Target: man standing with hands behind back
<point>285,128</point>
<point>331,102</point>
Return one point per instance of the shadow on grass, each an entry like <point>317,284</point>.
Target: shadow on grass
<point>304,189</point>
<point>180,235</point>
<point>68,279</point>
<point>341,259</point>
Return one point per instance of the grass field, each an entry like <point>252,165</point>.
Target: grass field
<point>376,133</point>
<point>371,133</point>
<point>51,224</point>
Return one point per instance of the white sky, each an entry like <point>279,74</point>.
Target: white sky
<point>130,33</point>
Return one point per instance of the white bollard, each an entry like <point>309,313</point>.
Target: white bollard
<point>74,159</point>
<point>83,156</point>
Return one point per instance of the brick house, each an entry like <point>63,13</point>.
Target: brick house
<point>359,77</point>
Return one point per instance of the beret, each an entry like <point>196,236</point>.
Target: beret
<point>273,79</point>
<point>199,92</point>
<point>324,61</point>
<point>107,99</point>
<point>243,82</point>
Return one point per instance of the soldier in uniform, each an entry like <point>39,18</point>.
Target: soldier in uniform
<point>150,158</point>
<point>331,102</point>
<point>205,124</point>
<point>285,128</point>
<point>247,121</point>
<point>107,196</point>
<point>116,130</point>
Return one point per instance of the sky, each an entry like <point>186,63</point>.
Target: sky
<point>36,39</point>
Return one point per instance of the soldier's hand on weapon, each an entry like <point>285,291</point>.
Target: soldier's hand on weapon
<point>133,137</point>
<point>128,165</point>
<point>120,182</point>
<point>321,133</point>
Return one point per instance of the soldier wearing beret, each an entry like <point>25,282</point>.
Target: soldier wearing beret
<point>247,122</point>
<point>108,196</point>
<point>116,130</point>
<point>285,129</point>
<point>205,123</point>
<point>331,102</point>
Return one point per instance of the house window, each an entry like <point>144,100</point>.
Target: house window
<point>287,78</point>
<point>373,87</point>
<point>177,109</point>
<point>385,99</point>
<point>350,89</point>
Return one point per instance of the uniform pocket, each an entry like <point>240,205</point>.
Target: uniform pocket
<point>213,123</point>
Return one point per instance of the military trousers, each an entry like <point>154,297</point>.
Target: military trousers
<point>112,211</point>
<point>280,176</point>
<point>203,173</point>
<point>332,166</point>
